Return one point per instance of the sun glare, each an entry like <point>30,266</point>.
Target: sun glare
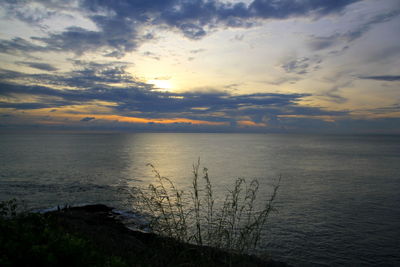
<point>161,84</point>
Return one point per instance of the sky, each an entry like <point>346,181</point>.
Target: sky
<point>314,66</point>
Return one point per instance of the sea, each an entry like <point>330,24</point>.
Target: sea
<point>338,202</point>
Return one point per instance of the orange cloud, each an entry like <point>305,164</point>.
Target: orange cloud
<point>251,123</point>
<point>77,117</point>
<point>157,120</point>
<point>326,118</point>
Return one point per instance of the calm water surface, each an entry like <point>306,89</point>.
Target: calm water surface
<point>339,201</point>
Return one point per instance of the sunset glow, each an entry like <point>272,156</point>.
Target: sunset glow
<point>161,84</point>
<point>254,66</point>
<point>224,129</point>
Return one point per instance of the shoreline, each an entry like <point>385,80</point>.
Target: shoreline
<point>101,225</point>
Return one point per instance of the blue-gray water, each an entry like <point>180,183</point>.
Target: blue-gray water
<point>338,203</point>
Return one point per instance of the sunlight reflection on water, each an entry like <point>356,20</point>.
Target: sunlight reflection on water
<point>338,202</point>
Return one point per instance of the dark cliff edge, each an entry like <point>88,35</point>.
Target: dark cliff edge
<point>99,224</point>
<point>94,235</point>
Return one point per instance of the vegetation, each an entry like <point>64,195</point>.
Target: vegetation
<point>234,226</point>
<point>91,236</point>
<point>33,239</point>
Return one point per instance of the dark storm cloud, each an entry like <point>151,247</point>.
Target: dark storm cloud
<point>39,65</point>
<point>120,32</point>
<point>387,78</point>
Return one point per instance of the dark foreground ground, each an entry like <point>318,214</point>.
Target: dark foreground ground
<point>92,236</point>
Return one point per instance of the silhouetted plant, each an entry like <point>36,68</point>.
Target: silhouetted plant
<point>235,226</point>
<point>34,239</point>
<point>8,208</point>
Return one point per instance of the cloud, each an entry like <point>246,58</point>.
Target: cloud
<point>19,45</point>
<point>284,79</point>
<point>92,83</point>
<point>138,99</point>
<point>192,30</point>
<point>86,74</point>
<point>361,30</point>
<point>122,24</point>
<point>193,17</point>
<point>26,105</point>
<point>387,78</point>
<point>196,51</point>
<point>39,65</point>
<point>385,110</point>
<point>301,65</point>
<point>88,119</point>
<point>27,11</point>
<point>166,111</point>
<point>151,55</point>
<point>322,42</point>
<point>116,37</point>
<point>334,92</point>
<point>384,55</point>
<point>286,9</point>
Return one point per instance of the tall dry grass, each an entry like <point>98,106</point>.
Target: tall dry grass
<point>235,225</point>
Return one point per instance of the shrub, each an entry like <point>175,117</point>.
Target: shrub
<point>8,208</point>
<point>235,226</point>
<point>33,239</point>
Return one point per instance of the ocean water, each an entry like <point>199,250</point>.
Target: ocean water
<point>338,202</point>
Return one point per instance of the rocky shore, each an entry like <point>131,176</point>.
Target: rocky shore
<point>94,235</point>
<point>100,225</point>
